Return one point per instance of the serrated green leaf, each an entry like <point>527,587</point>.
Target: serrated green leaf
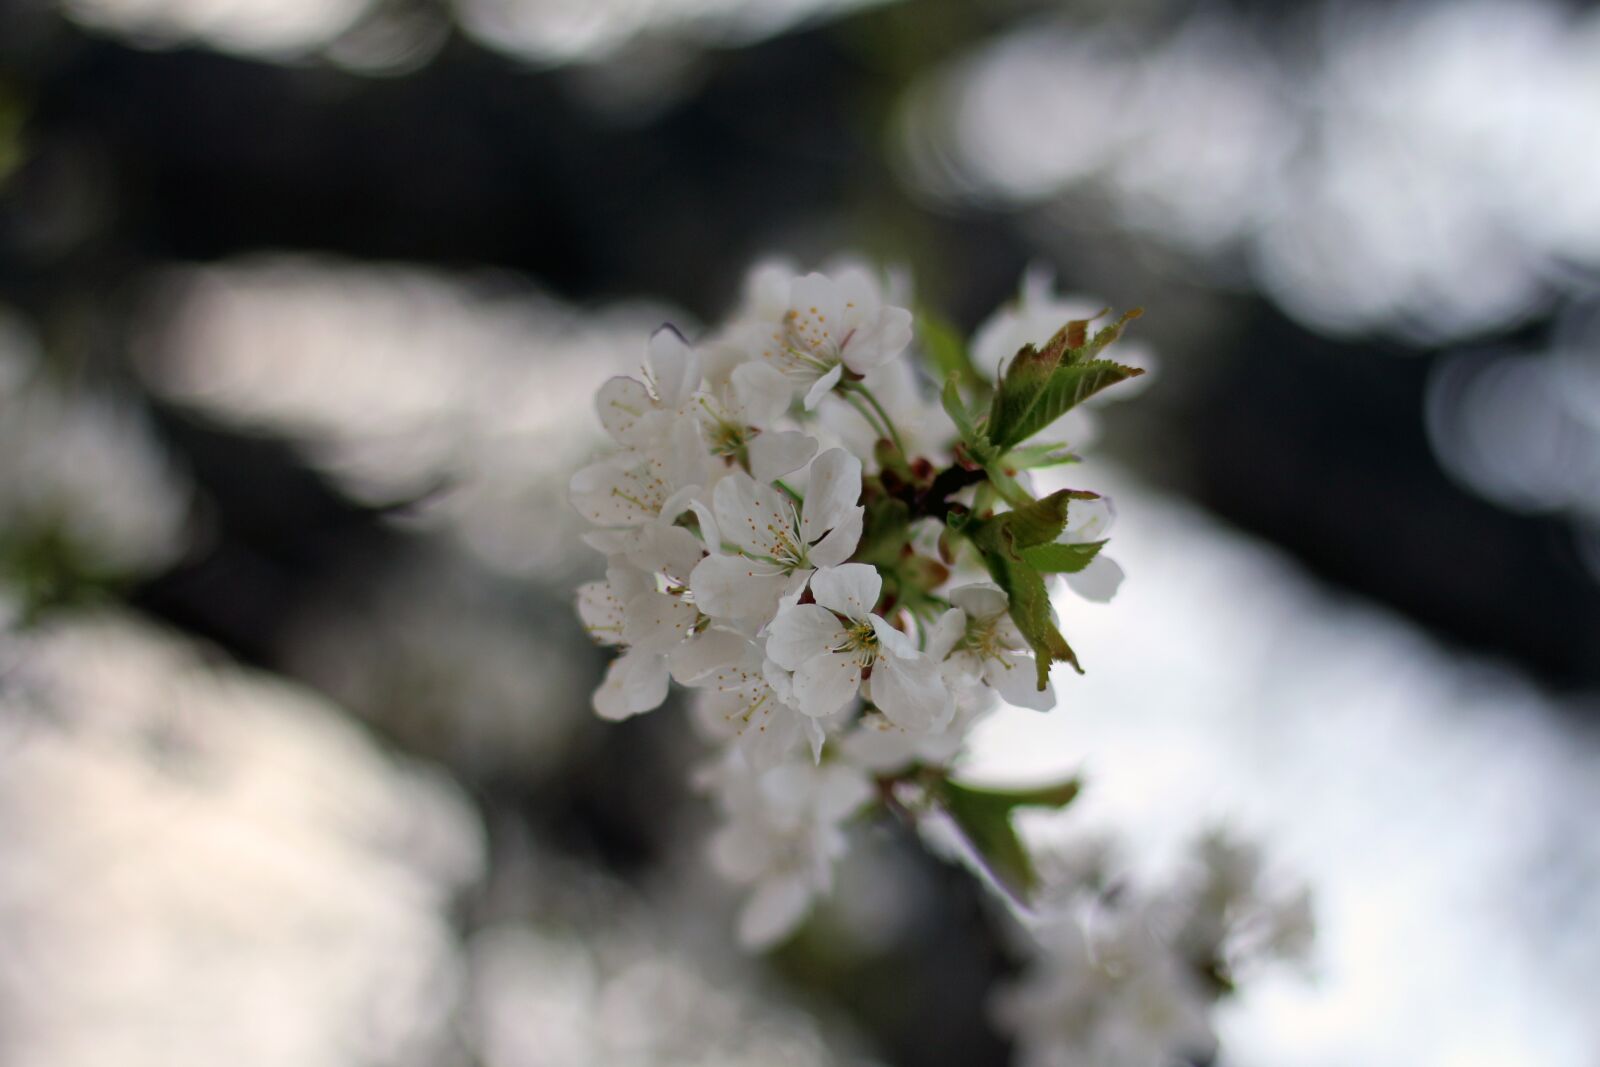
<point>1041,385</point>
<point>1062,559</point>
<point>1065,389</point>
<point>1020,386</point>
<point>1040,522</point>
<point>984,817</point>
<point>1029,598</point>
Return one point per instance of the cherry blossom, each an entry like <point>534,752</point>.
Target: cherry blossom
<point>822,327</point>
<point>978,641</point>
<point>836,643</point>
<point>782,836</point>
<point>775,543</point>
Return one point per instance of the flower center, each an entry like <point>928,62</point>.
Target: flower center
<point>725,436</point>
<point>860,643</point>
<point>983,639</point>
<point>787,549</point>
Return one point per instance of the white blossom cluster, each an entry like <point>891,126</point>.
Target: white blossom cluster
<point>1123,977</point>
<point>739,516</point>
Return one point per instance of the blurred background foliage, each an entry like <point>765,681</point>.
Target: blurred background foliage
<point>303,302</point>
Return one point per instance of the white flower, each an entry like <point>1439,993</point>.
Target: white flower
<point>747,702</point>
<point>776,545</point>
<point>636,681</point>
<point>1235,913</point>
<point>782,837</point>
<point>662,634</point>
<point>738,419</point>
<point>638,414</point>
<point>976,639</point>
<point>1089,521</point>
<point>833,644</point>
<point>1107,994</point>
<point>635,487</point>
<point>822,327</point>
<point>882,747</point>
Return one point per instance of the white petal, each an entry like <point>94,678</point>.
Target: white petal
<point>766,288</point>
<point>669,550</point>
<point>840,791</point>
<point>945,633</point>
<point>792,592</point>
<point>841,542</point>
<point>773,911</point>
<point>776,453</point>
<point>626,580</point>
<point>1098,581</point>
<point>733,587</point>
<point>610,542</point>
<point>850,589</point>
<point>1016,678</point>
<point>817,310</point>
<point>861,297</point>
<point>601,612</point>
<point>1089,520</point>
<point>617,492</point>
<point>636,681</point>
<point>891,641</point>
<point>623,404</point>
<point>741,851</point>
<point>824,684</point>
<point>752,515</point>
<point>802,632</point>
<point>823,386</point>
<point>873,346</point>
<point>656,622</point>
<point>961,669</point>
<point>675,365</point>
<point>761,393</point>
<point>706,655</point>
<point>910,693</point>
<point>710,534</point>
<point>833,489</point>
<point>981,600</point>
<point>683,459</point>
<point>816,735</point>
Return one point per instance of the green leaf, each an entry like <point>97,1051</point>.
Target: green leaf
<point>1041,385</point>
<point>1041,521</point>
<point>1050,795</point>
<point>1033,457</point>
<point>984,819</point>
<point>976,440</point>
<point>998,544</point>
<point>1062,559</point>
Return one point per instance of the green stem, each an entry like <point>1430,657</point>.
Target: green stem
<point>893,434</point>
<point>1007,487</point>
<point>849,398</point>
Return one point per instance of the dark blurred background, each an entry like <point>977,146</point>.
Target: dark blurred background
<point>349,270</point>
